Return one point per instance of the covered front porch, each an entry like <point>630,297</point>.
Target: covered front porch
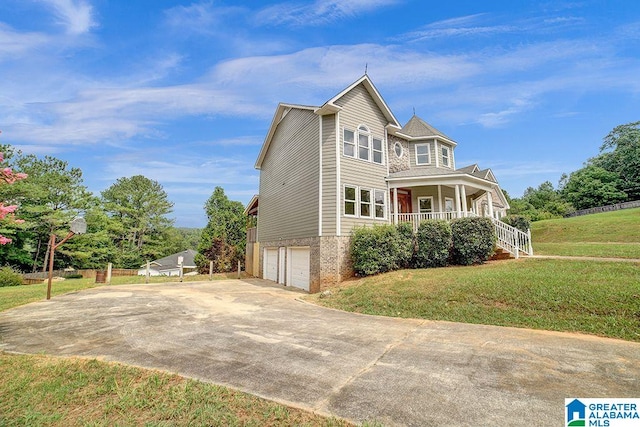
<point>446,198</point>
<point>446,202</point>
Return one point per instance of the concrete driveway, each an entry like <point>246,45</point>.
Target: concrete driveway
<point>261,338</point>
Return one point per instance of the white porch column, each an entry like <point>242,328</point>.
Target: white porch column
<point>395,205</point>
<point>458,207</point>
<point>463,195</point>
<point>440,204</point>
<point>490,203</point>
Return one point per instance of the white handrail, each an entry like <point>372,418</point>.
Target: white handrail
<point>509,238</point>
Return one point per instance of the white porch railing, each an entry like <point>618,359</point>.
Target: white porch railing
<point>416,218</point>
<point>510,238</point>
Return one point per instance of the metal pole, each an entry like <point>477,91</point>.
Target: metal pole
<point>52,248</point>
<point>181,272</point>
<point>146,280</point>
<point>109,267</point>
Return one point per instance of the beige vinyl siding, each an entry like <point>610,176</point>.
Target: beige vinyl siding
<point>289,179</point>
<point>359,108</point>
<point>329,175</point>
<point>412,153</point>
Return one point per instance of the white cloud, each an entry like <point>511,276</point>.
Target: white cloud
<point>13,43</point>
<point>320,12</point>
<point>75,15</point>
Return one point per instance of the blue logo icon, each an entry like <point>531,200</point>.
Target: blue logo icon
<point>576,416</point>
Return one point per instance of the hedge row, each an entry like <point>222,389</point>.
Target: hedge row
<point>437,243</point>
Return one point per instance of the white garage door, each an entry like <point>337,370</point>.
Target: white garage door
<point>271,264</point>
<point>299,268</point>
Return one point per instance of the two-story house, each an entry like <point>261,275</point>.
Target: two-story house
<point>325,169</point>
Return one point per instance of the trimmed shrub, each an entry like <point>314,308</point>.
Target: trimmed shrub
<point>407,245</point>
<point>434,244</point>
<point>474,240</point>
<point>10,277</point>
<point>376,249</point>
<point>520,222</point>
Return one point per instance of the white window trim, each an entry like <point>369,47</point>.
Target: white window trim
<point>372,203</point>
<point>426,198</point>
<point>356,202</point>
<point>398,144</point>
<point>448,157</point>
<point>363,129</point>
<point>453,204</point>
<point>384,204</point>
<point>354,143</point>
<point>425,144</point>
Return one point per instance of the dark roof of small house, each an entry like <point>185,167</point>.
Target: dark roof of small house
<point>418,128</point>
<point>172,260</point>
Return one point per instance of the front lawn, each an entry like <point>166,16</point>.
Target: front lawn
<point>50,391</point>
<point>608,234</point>
<point>600,298</point>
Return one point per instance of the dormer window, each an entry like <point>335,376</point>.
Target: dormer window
<point>362,145</point>
<point>445,157</point>
<point>423,154</point>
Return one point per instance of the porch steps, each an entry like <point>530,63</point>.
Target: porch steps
<point>501,254</point>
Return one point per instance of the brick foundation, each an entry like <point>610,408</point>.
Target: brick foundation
<point>330,262</point>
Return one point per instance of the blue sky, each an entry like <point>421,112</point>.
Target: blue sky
<point>183,92</point>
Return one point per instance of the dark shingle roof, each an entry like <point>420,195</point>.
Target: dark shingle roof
<point>172,260</point>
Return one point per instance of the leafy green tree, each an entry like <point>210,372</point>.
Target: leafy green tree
<point>592,186</point>
<point>224,237</point>
<point>620,153</point>
<point>138,207</point>
<point>539,203</point>
<point>49,199</point>
<point>94,249</point>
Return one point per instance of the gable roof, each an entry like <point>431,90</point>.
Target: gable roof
<point>282,110</point>
<point>469,169</point>
<point>188,259</point>
<point>331,107</point>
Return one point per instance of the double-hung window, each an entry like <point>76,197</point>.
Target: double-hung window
<point>423,154</point>
<point>350,200</point>
<point>361,144</point>
<point>364,202</point>
<point>349,143</point>
<point>445,156</point>
<point>380,205</point>
<point>377,150</point>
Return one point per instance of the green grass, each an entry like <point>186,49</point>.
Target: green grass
<point>48,391</point>
<point>14,296</point>
<point>609,234</point>
<point>600,298</point>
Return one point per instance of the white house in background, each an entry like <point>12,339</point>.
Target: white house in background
<point>170,265</point>
<point>326,169</point>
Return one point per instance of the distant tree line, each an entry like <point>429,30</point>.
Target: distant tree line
<point>613,176</point>
<point>127,223</point>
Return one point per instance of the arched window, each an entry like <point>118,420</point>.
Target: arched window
<point>362,145</point>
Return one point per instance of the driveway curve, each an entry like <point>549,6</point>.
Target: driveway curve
<point>261,338</point>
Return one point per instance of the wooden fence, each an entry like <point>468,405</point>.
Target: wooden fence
<point>608,208</point>
<point>32,278</point>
